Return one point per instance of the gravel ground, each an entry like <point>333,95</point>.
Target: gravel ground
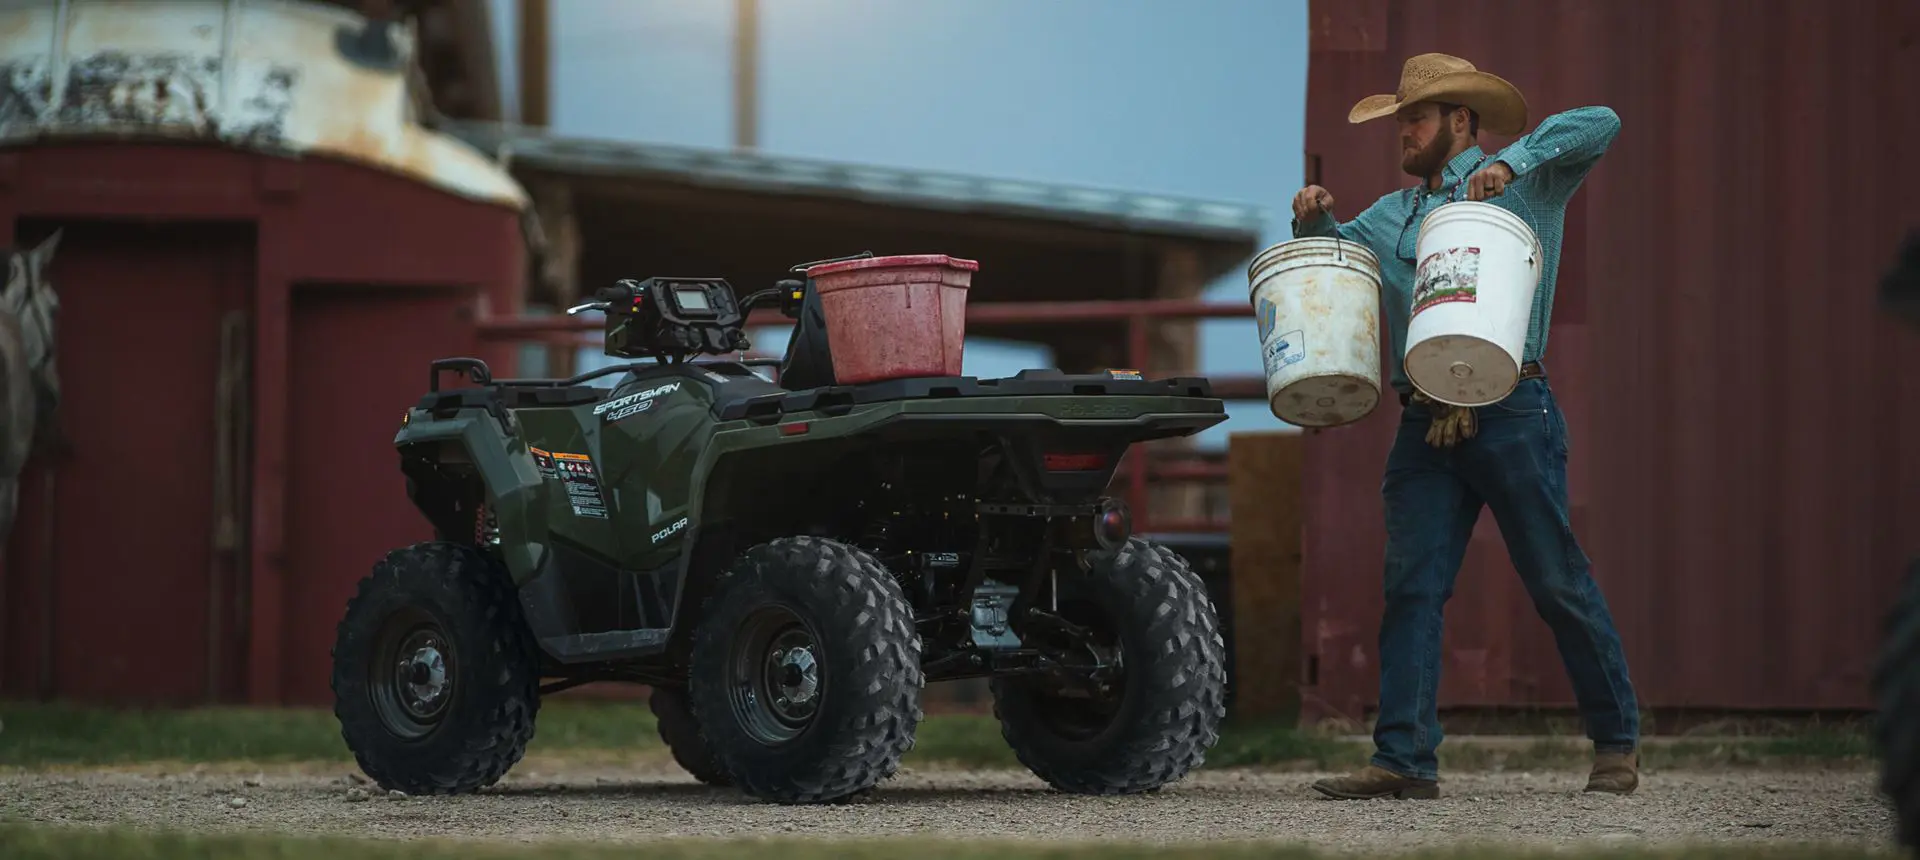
<point>641,802</point>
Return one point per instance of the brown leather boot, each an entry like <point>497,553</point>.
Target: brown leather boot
<point>1615,773</point>
<point>1372,782</point>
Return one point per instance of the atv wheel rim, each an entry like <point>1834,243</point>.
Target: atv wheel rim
<point>413,675</point>
<point>776,681</point>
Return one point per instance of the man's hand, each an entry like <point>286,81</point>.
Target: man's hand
<point>1491,182</point>
<point>1312,200</point>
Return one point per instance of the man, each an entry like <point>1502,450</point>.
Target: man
<point>1447,462</point>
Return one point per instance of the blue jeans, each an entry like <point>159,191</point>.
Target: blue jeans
<point>1516,465</point>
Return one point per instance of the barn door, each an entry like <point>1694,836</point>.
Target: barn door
<point>123,571</point>
<point>359,358</point>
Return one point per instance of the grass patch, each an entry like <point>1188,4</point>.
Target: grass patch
<point>1275,746</point>
<point>18,842</point>
<point>32,735</point>
<point>53,735</point>
<point>36,735</point>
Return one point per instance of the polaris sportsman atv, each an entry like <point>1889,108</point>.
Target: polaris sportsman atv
<point>785,565</point>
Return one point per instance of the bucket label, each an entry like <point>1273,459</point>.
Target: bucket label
<point>1264,314</point>
<point>1452,275</point>
<point>1284,350</point>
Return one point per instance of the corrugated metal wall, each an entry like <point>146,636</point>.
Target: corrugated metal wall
<point>1742,472</point>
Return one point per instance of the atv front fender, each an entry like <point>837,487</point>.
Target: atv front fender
<point>515,492</point>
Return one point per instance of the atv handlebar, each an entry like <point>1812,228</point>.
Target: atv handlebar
<point>623,291</point>
<point>606,297</point>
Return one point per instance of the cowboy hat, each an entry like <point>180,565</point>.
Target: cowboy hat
<point>1445,78</point>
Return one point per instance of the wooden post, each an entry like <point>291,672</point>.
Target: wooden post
<point>558,271</point>
<point>534,65</point>
<point>1173,347</point>
<point>1264,486</point>
<point>746,74</point>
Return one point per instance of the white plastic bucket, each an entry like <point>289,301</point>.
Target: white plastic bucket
<point>1317,305</point>
<point>1472,298</point>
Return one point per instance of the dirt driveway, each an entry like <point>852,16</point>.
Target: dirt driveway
<point>544,800</point>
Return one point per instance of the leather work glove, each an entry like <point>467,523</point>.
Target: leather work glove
<point>1451,424</point>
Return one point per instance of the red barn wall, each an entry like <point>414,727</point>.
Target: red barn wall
<point>1738,409</point>
<point>334,285</point>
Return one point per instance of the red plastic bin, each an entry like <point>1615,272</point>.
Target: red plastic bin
<point>895,317</point>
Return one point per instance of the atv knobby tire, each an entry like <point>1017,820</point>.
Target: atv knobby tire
<point>681,733</point>
<point>1896,693</point>
<point>448,602</point>
<point>1174,695</point>
<point>824,623</point>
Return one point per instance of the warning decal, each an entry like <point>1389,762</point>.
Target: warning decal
<point>583,485</point>
<point>544,460</point>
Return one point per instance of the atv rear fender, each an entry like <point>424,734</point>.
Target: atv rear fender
<point>511,483</point>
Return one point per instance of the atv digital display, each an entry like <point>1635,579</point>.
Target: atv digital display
<point>671,319</point>
<point>692,299</point>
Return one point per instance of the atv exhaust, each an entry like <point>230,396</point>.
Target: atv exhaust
<point>1112,524</point>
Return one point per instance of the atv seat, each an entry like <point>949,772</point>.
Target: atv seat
<point>447,401</point>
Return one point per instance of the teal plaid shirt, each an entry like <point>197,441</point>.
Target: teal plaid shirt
<point>1548,166</point>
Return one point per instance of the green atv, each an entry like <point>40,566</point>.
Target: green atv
<point>785,565</point>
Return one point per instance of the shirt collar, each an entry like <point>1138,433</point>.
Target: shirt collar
<point>1456,170</point>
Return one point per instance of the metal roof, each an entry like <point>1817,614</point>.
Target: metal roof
<point>1158,214</point>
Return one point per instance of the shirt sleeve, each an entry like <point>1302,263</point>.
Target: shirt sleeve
<point>1561,151</point>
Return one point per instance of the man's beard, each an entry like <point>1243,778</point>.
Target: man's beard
<point>1429,161</point>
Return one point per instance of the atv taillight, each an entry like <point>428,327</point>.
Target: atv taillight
<point>1074,462</point>
<point>794,429</point>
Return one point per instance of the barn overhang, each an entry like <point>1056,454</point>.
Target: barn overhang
<point>616,209</point>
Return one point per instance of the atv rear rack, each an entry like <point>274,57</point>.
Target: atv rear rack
<point>830,400</point>
<point>768,408</point>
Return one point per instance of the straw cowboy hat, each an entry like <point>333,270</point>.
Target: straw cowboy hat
<point>1446,78</point>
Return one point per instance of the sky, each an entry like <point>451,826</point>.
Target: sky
<point>1202,98</point>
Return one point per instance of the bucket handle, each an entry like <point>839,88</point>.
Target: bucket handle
<point>1339,243</point>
